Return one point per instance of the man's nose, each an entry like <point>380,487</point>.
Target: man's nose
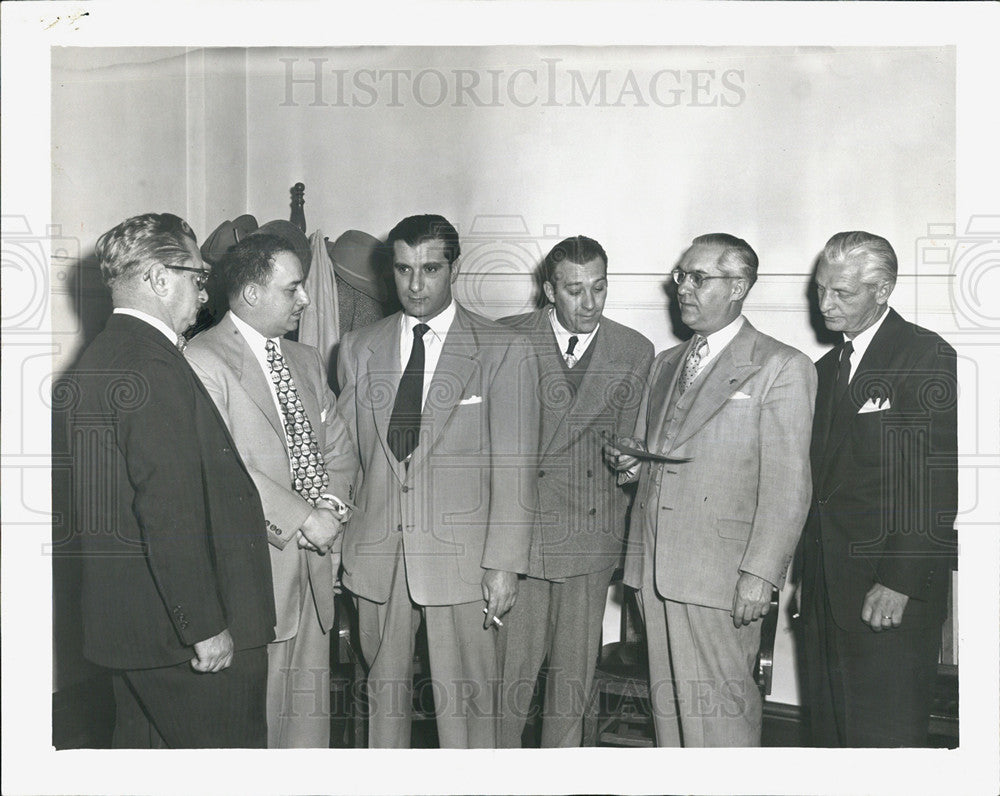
<point>825,302</point>
<point>416,281</point>
<point>303,297</point>
<point>588,300</point>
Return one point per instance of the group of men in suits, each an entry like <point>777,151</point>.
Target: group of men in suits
<point>471,477</point>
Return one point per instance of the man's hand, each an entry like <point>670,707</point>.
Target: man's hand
<point>883,608</point>
<point>499,592</point>
<point>751,600</point>
<point>618,461</point>
<point>321,529</point>
<point>213,654</point>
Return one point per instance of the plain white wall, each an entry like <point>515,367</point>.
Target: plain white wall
<point>782,146</point>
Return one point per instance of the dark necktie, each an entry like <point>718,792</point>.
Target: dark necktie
<point>843,381</point>
<point>404,425</point>
<point>309,476</point>
<point>570,357</point>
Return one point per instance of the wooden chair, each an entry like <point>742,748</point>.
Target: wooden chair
<point>621,680</point>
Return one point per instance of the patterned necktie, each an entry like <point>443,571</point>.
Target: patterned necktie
<point>571,360</point>
<point>699,348</point>
<point>404,425</point>
<point>309,476</point>
<point>181,343</point>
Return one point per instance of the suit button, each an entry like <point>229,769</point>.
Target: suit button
<point>399,528</point>
<point>822,501</point>
<point>641,504</point>
<point>406,489</point>
<point>592,512</point>
<point>277,531</point>
<point>541,473</point>
<point>590,473</point>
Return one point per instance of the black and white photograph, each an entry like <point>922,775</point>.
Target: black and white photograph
<point>555,391</point>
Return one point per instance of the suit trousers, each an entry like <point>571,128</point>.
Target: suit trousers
<point>701,683</point>
<point>867,689</point>
<point>178,708</point>
<point>298,681</point>
<point>462,661</point>
<point>560,621</point>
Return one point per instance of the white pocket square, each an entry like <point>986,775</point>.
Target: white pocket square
<point>474,399</point>
<point>322,416</point>
<point>738,396</point>
<point>875,405</point>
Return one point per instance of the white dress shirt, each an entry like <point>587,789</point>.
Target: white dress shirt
<point>433,342</point>
<point>719,340</point>
<point>862,340</point>
<point>583,341</point>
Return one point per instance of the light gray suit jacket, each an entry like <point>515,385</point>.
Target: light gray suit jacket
<point>740,503</point>
<point>466,501</point>
<point>223,360</point>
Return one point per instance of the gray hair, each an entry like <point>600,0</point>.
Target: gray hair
<point>127,250</point>
<point>873,253</point>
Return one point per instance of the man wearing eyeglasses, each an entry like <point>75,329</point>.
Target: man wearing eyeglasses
<point>724,487</point>
<point>176,596</point>
<point>274,397</point>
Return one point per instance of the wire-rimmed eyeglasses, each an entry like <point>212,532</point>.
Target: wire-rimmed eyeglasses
<point>696,278</point>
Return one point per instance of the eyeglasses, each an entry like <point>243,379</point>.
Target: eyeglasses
<point>202,279</point>
<point>696,278</point>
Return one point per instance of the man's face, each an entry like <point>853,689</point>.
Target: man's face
<point>423,277</point>
<point>848,305</point>
<point>579,292</point>
<point>186,297</point>
<point>281,301</point>
<point>717,302</point>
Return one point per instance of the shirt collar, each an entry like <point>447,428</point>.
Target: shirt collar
<point>439,324</point>
<point>153,321</point>
<point>255,339</point>
<point>863,339</point>
<point>720,339</point>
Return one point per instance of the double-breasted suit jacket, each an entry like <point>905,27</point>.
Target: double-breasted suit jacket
<point>885,477</point>
<point>738,505</point>
<point>233,376</point>
<point>581,521</point>
<point>466,501</point>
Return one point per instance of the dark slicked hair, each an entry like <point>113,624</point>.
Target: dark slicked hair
<point>127,250</point>
<point>736,258</point>
<point>414,230</point>
<point>579,249</point>
<point>251,261</point>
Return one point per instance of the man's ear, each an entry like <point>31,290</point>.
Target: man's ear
<point>741,286</point>
<point>550,291</point>
<point>454,270</point>
<point>157,278</point>
<point>883,291</point>
<point>250,294</point>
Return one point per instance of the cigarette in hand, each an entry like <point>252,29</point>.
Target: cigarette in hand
<point>496,621</point>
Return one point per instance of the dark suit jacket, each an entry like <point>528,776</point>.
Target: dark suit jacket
<point>466,501</point>
<point>581,526</point>
<point>172,530</point>
<point>885,482</point>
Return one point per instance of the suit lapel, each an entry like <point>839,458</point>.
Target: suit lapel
<point>730,369</point>
<point>458,362</point>
<point>874,364</point>
<point>553,390</point>
<point>383,377</point>
<point>242,361</point>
